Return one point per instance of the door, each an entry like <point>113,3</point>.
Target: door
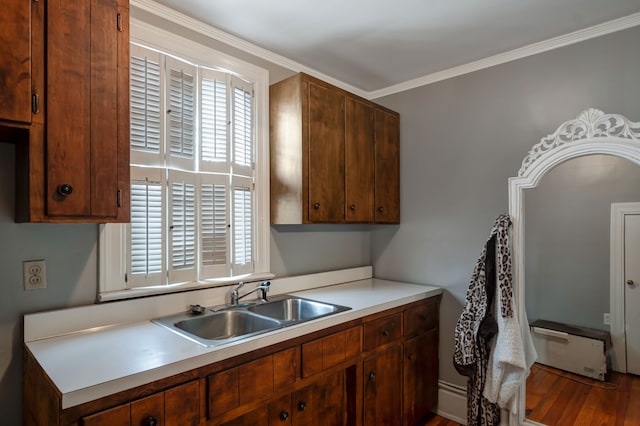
<point>387,167</point>
<point>632,290</point>
<point>383,388</point>
<point>420,373</point>
<point>326,154</point>
<point>359,161</point>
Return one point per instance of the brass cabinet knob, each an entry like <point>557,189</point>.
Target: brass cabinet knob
<point>630,282</point>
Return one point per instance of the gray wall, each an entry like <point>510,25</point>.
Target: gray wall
<point>567,218</point>
<point>463,138</point>
<point>70,253</point>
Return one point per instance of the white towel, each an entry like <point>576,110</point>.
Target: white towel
<point>510,358</point>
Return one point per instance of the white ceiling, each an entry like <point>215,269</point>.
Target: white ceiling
<point>375,44</point>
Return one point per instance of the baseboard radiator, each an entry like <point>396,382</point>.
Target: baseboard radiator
<point>579,350</point>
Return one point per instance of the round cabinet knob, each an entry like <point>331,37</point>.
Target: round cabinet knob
<point>381,209</point>
<point>352,207</point>
<point>630,282</point>
<point>411,357</point>
<point>385,332</point>
<point>284,416</point>
<point>302,406</point>
<point>316,206</point>
<point>372,376</point>
<point>65,189</point>
<point>151,421</point>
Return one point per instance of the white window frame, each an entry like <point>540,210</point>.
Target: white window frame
<point>113,281</point>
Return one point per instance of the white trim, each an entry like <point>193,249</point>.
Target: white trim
<point>452,402</point>
<point>501,58</point>
<point>592,132</point>
<point>616,283</point>
<point>512,55</point>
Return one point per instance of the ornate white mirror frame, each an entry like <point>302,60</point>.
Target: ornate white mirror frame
<point>592,132</point>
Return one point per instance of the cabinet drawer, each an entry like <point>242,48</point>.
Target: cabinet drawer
<point>326,352</point>
<point>421,318</point>
<point>382,331</point>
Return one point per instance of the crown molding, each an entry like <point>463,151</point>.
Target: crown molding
<point>512,55</point>
<point>237,43</point>
<point>501,58</point>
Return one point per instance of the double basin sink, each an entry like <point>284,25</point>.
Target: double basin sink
<point>217,326</point>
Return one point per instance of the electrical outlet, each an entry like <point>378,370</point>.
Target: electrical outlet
<point>606,318</point>
<point>34,274</point>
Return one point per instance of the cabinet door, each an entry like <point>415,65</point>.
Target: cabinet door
<point>387,169</point>
<point>182,405</point>
<point>359,161</point>
<point>321,403</point>
<point>420,376</point>
<point>383,388</point>
<point>15,61</point>
<point>326,154</point>
<point>83,100</point>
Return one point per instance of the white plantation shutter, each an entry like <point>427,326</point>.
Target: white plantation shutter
<point>243,225</point>
<point>182,226</point>
<point>181,110</point>
<point>214,226</point>
<point>145,104</point>
<point>214,121</point>
<point>243,126</point>
<point>146,231</point>
<point>195,216</point>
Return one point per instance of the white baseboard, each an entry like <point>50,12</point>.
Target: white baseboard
<point>452,402</point>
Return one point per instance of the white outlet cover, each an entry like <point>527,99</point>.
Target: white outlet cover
<point>34,273</point>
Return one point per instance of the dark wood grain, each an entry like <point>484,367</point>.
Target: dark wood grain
<point>15,62</point>
<point>383,388</point>
<point>387,167</point>
<point>420,373</point>
<point>150,407</point>
<point>182,405</point>
<point>326,154</point>
<point>116,416</point>
<point>359,161</point>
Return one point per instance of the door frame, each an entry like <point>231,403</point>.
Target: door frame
<point>616,283</point>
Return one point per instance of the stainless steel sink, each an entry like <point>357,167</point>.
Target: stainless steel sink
<point>296,309</point>
<point>227,323</point>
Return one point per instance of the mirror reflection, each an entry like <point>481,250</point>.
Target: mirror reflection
<point>567,275</point>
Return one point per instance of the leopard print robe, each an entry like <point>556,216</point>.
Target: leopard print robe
<point>477,325</point>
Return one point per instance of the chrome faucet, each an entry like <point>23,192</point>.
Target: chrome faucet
<point>263,288</point>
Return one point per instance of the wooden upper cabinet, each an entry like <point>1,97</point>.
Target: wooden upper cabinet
<point>15,62</point>
<point>323,155</point>
<point>77,161</point>
<point>359,161</point>
<point>326,153</point>
<point>387,167</point>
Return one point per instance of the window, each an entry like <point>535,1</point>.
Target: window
<point>199,176</point>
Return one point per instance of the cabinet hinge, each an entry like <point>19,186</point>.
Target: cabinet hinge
<point>119,22</point>
<point>35,103</point>
<point>119,198</point>
<point>126,277</point>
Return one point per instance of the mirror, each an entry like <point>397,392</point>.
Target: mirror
<point>592,132</point>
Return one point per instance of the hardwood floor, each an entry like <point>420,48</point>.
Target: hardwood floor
<point>559,398</point>
<point>555,397</point>
<point>436,420</point>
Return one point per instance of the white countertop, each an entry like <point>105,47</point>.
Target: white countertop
<point>94,363</point>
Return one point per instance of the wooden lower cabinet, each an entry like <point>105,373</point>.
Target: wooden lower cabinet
<point>420,376</point>
<point>383,388</point>
<point>377,370</point>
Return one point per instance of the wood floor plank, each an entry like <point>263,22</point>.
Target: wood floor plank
<point>570,399</point>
